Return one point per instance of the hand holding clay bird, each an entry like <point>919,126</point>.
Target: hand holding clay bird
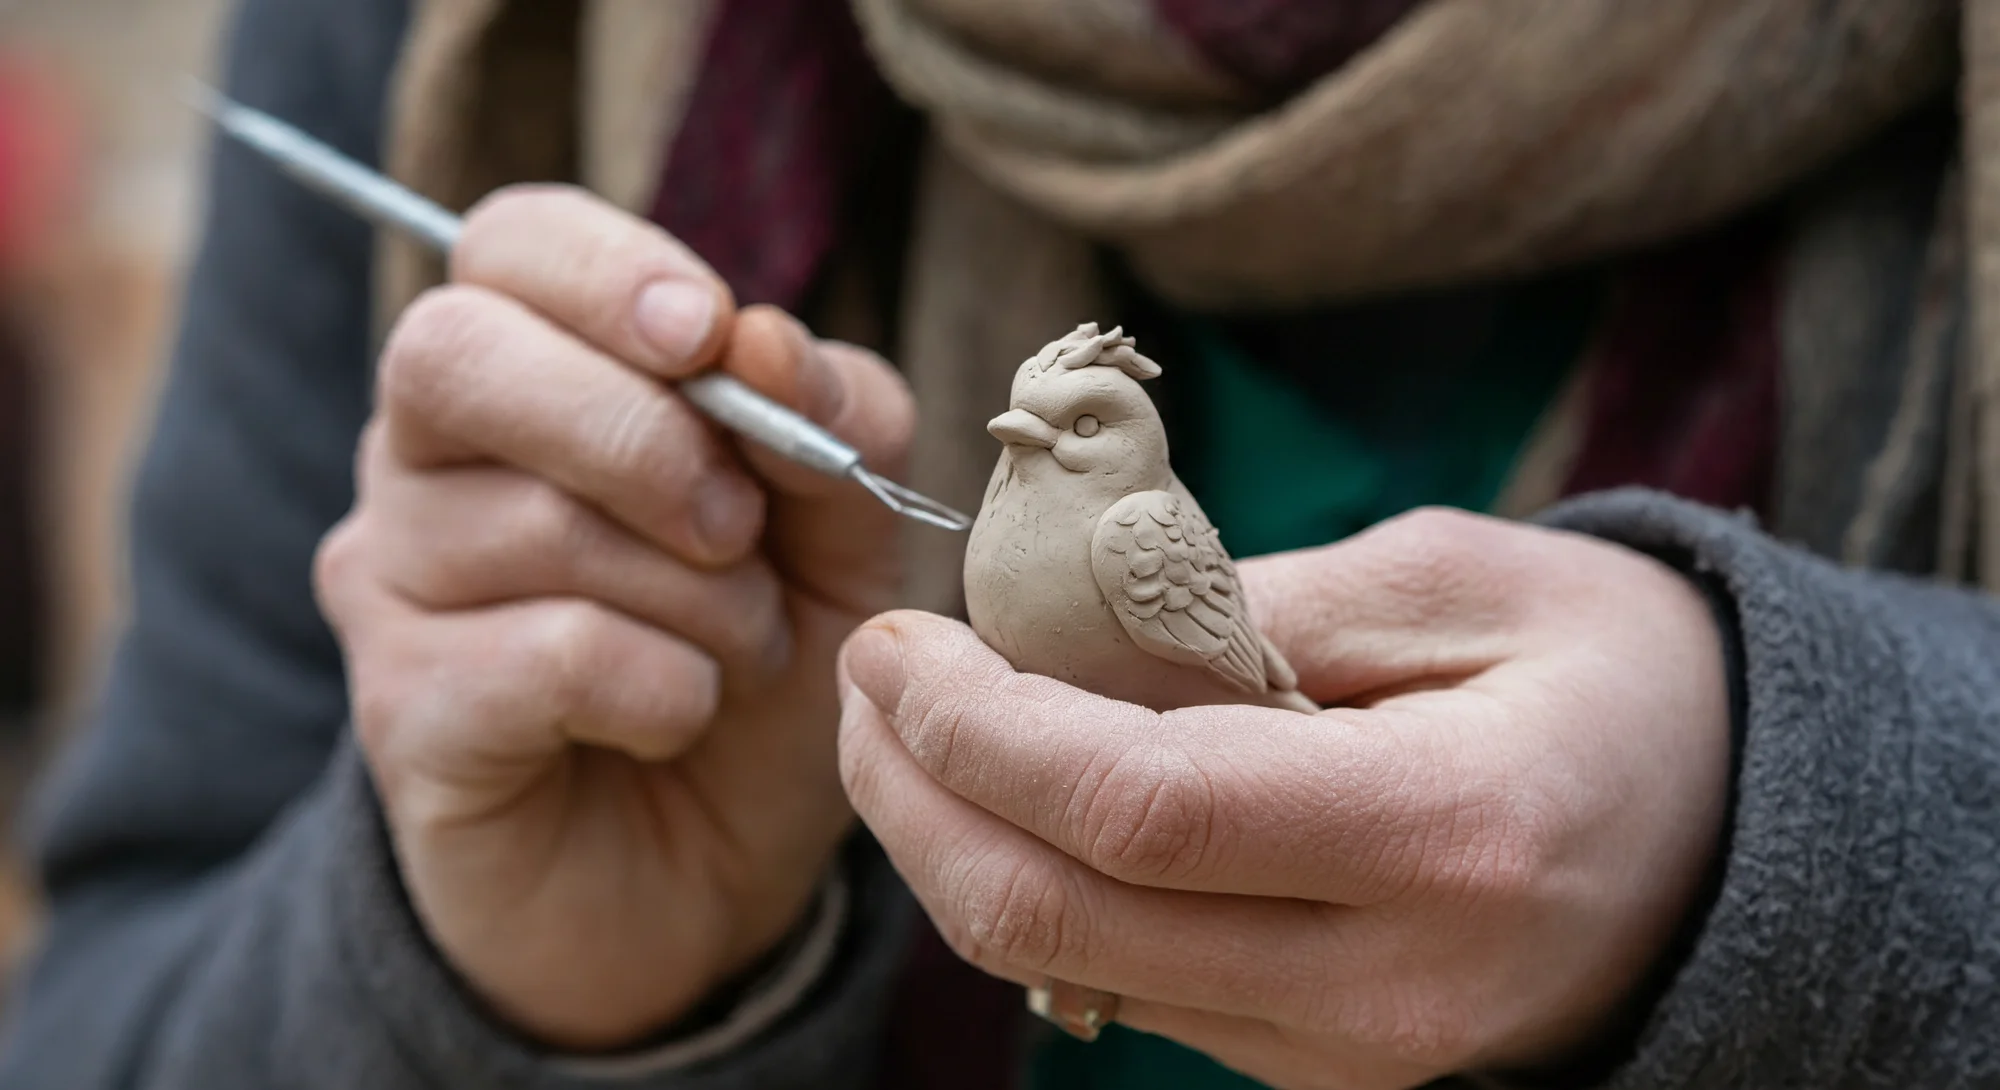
<point>1091,563</point>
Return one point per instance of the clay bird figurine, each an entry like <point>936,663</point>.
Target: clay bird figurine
<point>1091,563</point>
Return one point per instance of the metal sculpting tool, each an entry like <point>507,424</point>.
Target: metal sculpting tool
<point>723,398</point>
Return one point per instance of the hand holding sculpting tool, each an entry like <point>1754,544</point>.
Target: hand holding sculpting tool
<point>722,397</point>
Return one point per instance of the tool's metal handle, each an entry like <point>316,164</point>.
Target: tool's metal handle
<point>726,399</point>
<point>330,174</point>
<point>747,412</point>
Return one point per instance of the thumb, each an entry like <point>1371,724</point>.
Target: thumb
<point>1421,601</point>
<point>829,537</point>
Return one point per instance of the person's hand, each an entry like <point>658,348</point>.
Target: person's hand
<point>1469,866</point>
<point>590,639</point>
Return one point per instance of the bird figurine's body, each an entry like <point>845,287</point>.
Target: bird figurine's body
<point>1090,562</point>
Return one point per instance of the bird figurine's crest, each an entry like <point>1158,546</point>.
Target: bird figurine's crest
<point>1090,561</point>
<point>1086,347</point>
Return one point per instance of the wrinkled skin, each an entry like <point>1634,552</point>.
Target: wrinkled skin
<point>590,640</point>
<point>1469,865</point>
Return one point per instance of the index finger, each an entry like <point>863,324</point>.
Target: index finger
<point>1335,807</point>
<point>615,280</point>
<point>827,535</point>
<point>849,391</point>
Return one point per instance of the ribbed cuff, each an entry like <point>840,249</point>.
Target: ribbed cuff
<point>766,1002</point>
<point>812,1020</point>
<point>1776,982</point>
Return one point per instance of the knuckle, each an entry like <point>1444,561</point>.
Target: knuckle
<point>1022,916</point>
<point>933,737</point>
<point>548,522</point>
<point>443,327</point>
<point>377,683</point>
<point>1395,825</point>
<point>1443,524</point>
<point>1422,1027</point>
<point>530,537</point>
<point>371,456</point>
<point>695,689</point>
<point>934,718</point>
<point>570,250</point>
<point>1433,559</point>
<point>521,204</point>
<point>335,559</point>
<point>1152,816</point>
<point>688,692</point>
<point>399,715</point>
<point>375,697</point>
<point>1510,868</point>
<point>1390,856</point>
<point>560,647</point>
<point>1496,847</point>
<point>642,441</point>
<point>338,563</point>
<point>1433,542</point>
<point>382,691</point>
<point>958,937</point>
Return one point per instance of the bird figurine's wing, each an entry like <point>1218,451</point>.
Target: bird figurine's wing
<point>1162,568</point>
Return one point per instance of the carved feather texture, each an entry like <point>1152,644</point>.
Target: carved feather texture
<point>1163,569</point>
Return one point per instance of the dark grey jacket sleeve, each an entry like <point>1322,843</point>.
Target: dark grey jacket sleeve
<point>1855,938</point>
<point>225,912</point>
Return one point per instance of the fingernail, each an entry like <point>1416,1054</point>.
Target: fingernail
<point>727,512</point>
<point>675,316</point>
<point>874,663</point>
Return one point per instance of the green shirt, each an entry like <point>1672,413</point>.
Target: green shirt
<point>1276,468</point>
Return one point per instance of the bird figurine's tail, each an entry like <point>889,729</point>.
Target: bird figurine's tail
<point>1284,681</point>
<point>1294,700</point>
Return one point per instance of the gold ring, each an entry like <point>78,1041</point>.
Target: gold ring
<point>1081,1012</point>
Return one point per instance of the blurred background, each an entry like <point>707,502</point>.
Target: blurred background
<point>99,188</point>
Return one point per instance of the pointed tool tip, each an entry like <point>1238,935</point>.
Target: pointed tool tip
<point>911,503</point>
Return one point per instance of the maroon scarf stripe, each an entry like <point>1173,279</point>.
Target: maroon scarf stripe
<point>1279,46</point>
<point>783,112</point>
<point>1684,396</point>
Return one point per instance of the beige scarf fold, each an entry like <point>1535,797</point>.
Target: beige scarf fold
<point>1481,137</point>
<point>489,93</point>
<point>1978,426</point>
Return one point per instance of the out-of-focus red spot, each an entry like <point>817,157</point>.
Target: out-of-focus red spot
<point>39,156</point>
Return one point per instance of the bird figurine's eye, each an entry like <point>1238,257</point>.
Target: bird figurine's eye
<point>1085,426</point>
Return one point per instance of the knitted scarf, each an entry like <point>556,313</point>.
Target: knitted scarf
<point>1256,154</point>
<point>1265,153</point>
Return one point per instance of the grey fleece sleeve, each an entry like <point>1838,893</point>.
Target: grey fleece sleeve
<point>1855,938</point>
<point>225,912</point>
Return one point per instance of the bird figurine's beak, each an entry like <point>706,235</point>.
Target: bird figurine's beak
<point>1021,428</point>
